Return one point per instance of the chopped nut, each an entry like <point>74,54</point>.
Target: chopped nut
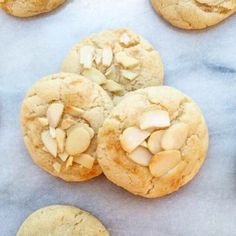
<point>52,132</point>
<point>57,167</point>
<point>132,137</point>
<point>125,60</point>
<point>54,114</point>
<point>125,39</point>
<point>112,73</point>
<point>86,126</point>
<point>154,141</point>
<point>107,56</point>
<point>85,160</point>
<point>127,74</point>
<point>154,119</point>
<point>60,138</point>
<point>74,111</point>
<point>95,75</point>
<point>49,143</point>
<point>163,162</point>
<point>112,86</point>
<point>69,162</point>
<point>67,123</point>
<point>175,136</point>
<point>63,156</point>
<point>86,56</point>
<point>141,156</point>
<point>78,141</point>
<point>98,56</point>
<point>43,121</point>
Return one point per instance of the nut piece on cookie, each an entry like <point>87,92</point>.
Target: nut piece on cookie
<point>154,141</point>
<point>85,160</point>
<point>175,136</point>
<point>86,56</point>
<point>163,162</point>
<point>141,156</point>
<point>125,60</point>
<point>57,167</point>
<point>154,119</point>
<point>132,137</point>
<point>54,114</point>
<point>95,75</point>
<point>78,140</point>
<point>107,56</point>
<point>49,142</point>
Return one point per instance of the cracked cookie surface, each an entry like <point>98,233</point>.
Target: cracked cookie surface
<point>27,8</point>
<point>194,14</point>
<point>119,60</point>
<point>153,142</point>
<point>61,220</point>
<point>60,117</point>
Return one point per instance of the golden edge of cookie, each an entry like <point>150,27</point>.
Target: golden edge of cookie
<point>183,24</point>
<point>22,11</point>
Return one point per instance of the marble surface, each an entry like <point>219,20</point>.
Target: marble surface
<point>202,64</point>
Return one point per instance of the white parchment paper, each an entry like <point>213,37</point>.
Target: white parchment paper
<point>200,63</point>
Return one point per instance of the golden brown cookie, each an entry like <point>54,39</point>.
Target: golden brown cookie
<point>27,8</point>
<point>194,14</point>
<point>153,142</point>
<point>119,60</point>
<point>60,117</point>
<point>61,220</point>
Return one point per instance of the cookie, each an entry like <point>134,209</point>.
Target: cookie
<point>153,142</point>
<point>60,220</point>
<point>60,117</point>
<point>27,8</point>
<point>194,14</point>
<point>119,60</point>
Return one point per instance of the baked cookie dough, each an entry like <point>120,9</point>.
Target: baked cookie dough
<point>60,220</point>
<point>153,142</point>
<point>119,60</point>
<point>27,8</point>
<point>194,14</point>
<point>60,117</point>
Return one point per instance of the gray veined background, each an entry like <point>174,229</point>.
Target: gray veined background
<point>202,64</point>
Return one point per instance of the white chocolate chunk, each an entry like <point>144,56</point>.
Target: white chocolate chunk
<point>78,141</point>
<point>49,143</point>
<point>112,86</point>
<point>74,111</point>
<point>63,156</point>
<point>86,56</point>
<point>57,167</point>
<point>54,114</point>
<point>132,137</point>
<point>43,121</point>
<point>154,119</point>
<point>141,156</point>
<point>154,141</point>
<point>52,132</point>
<point>125,39</point>
<point>67,123</point>
<point>129,75</point>
<point>60,138</point>
<point>69,162</point>
<point>87,127</point>
<point>175,136</point>
<point>125,60</point>
<point>107,56</point>
<point>85,160</point>
<point>163,162</point>
<point>95,75</point>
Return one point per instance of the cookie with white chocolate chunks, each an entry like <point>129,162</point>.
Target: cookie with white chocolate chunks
<point>61,220</point>
<point>23,8</point>
<point>119,60</point>
<point>60,117</point>
<point>194,14</point>
<point>153,142</point>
